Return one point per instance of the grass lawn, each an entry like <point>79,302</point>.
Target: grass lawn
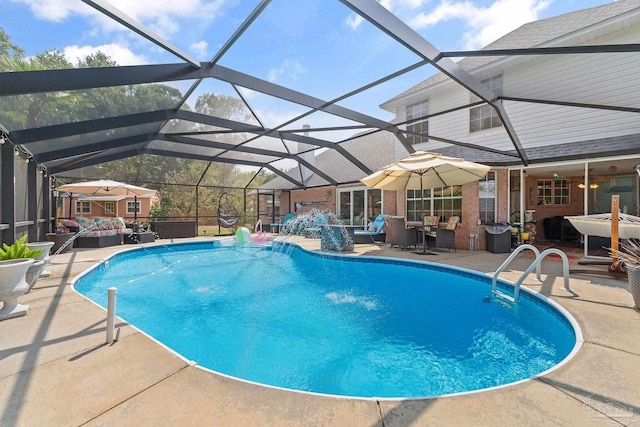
<point>212,230</point>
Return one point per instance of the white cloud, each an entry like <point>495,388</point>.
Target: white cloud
<point>121,54</point>
<point>484,24</point>
<point>162,16</point>
<point>289,68</point>
<point>199,48</point>
<point>53,10</point>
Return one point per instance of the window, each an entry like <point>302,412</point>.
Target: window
<point>83,207</point>
<point>133,207</point>
<point>443,202</point>
<point>416,111</point>
<point>447,202</point>
<point>485,116</point>
<point>487,198</point>
<point>109,207</point>
<point>554,192</point>
<point>414,205</point>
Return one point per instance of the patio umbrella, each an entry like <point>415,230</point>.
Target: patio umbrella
<point>422,170</point>
<point>105,187</point>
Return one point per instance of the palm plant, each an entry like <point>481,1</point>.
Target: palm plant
<point>18,250</point>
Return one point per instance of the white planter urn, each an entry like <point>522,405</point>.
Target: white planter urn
<point>12,286</point>
<point>34,271</point>
<point>45,256</point>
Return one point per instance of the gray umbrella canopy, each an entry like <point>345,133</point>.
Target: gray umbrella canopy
<point>422,170</point>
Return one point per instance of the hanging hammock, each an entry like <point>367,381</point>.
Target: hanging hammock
<point>227,214</point>
<point>229,219</point>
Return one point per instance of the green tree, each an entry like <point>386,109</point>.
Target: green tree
<point>8,49</point>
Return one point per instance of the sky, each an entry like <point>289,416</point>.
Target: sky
<point>318,47</point>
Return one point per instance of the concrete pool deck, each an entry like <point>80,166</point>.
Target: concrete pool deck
<point>56,370</point>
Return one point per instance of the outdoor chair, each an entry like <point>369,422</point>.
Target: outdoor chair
<point>375,231</point>
<point>399,235</point>
<point>430,229</point>
<point>446,237</point>
<point>278,225</point>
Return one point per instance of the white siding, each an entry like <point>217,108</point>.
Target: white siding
<point>605,79</point>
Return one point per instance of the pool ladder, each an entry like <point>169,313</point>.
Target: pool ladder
<point>535,264</point>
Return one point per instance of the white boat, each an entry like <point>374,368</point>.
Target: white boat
<point>600,225</point>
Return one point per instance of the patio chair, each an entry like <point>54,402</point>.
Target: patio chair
<point>399,235</point>
<point>278,225</point>
<point>375,231</point>
<point>430,228</point>
<point>446,237</point>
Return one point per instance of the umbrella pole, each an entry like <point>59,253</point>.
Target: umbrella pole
<point>424,234</point>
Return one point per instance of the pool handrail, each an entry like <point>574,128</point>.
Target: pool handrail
<point>535,264</point>
<point>504,265</point>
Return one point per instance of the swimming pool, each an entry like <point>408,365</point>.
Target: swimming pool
<point>350,326</point>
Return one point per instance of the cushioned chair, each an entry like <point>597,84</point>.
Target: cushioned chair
<point>375,231</point>
<point>430,227</point>
<point>446,237</point>
<point>399,235</point>
<point>278,225</point>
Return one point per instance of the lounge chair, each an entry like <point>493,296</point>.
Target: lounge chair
<point>375,231</point>
<point>446,237</point>
<point>278,225</point>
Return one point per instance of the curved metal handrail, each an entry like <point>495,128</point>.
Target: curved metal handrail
<point>537,261</point>
<point>511,257</point>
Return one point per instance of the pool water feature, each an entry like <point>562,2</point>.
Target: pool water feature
<point>339,325</point>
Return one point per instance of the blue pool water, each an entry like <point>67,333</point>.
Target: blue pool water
<point>354,326</point>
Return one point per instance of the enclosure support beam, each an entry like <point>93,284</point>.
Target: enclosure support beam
<point>8,195</point>
<point>390,24</point>
<point>197,207</point>
<point>32,201</point>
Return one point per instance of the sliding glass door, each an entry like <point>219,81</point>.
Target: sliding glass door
<point>358,206</point>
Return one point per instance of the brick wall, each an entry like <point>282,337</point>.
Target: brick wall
<point>322,198</point>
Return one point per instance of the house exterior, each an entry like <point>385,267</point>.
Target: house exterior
<point>575,116</point>
<point>107,206</point>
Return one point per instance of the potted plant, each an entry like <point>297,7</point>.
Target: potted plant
<point>15,262</point>
<point>12,286</point>
<point>21,250</point>
<point>59,238</point>
<point>628,257</point>
<point>45,255</point>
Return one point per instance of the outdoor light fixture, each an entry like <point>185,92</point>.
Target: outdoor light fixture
<point>638,170</point>
<point>592,186</point>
